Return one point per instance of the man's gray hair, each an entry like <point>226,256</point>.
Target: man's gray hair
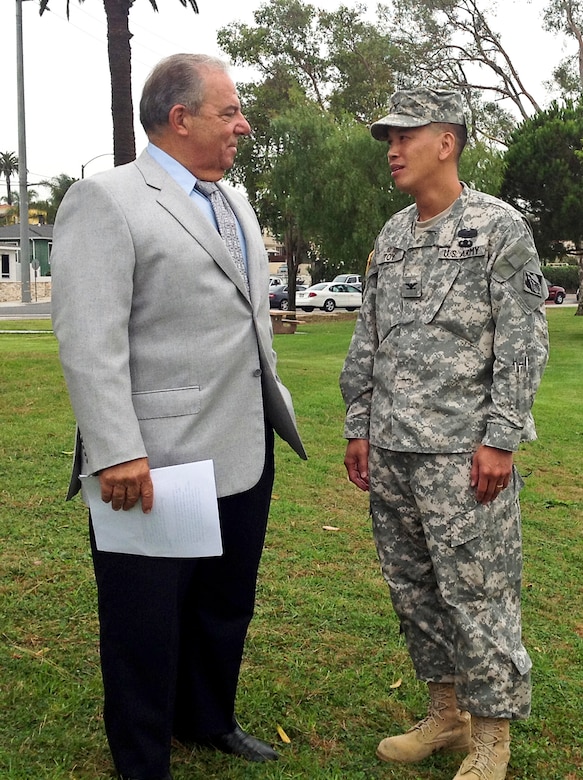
<point>178,79</point>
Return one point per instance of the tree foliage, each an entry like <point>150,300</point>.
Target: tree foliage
<point>57,186</point>
<point>312,170</point>
<point>337,60</point>
<point>363,61</point>
<point>285,40</point>
<point>566,17</point>
<point>322,76</point>
<point>544,177</point>
<point>331,179</point>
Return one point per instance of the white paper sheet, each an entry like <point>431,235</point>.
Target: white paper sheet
<point>183,523</point>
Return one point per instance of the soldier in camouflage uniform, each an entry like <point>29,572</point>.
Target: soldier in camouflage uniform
<point>447,354</point>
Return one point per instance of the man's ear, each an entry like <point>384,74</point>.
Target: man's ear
<point>447,146</point>
<point>177,119</point>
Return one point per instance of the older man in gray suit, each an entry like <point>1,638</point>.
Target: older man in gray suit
<point>165,341</point>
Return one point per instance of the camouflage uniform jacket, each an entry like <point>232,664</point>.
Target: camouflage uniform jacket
<point>451,340</point>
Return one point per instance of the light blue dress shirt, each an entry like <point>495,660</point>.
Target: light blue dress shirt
<point>185,179</point>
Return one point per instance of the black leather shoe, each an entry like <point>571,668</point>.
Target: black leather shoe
<point>239,743</point>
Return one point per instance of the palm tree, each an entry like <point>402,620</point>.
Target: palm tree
<point>120,69</point>
<point>8,166</point>
<point>58,186</point>
<point>13,214</point>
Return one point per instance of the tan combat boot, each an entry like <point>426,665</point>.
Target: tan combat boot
<point>490,751</point>
<point>445,728</point>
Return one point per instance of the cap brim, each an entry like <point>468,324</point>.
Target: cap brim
<point>380,130</point>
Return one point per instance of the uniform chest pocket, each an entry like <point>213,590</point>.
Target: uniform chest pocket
<point>458,295</point>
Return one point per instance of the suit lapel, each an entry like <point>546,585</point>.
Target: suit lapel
<point>176,202</point>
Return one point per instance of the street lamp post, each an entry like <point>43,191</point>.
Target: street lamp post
<point>22,172</point>
<point>105,154</point>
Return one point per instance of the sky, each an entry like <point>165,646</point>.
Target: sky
<point>66,75</point>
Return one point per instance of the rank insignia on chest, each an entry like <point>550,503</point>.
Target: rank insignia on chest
<point>465,237</point>
<point>411,288</point>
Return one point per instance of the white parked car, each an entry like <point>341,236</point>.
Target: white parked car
<point>329,296</point>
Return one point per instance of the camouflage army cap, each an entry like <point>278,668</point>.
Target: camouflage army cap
<point>420,107</point>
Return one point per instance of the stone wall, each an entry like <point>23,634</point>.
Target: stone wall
<point>12,291</point>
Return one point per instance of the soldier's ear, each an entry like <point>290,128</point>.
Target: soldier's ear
<point>447,145</point>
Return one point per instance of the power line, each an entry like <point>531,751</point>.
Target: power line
<point>102,24</point>
<point>68,22</point>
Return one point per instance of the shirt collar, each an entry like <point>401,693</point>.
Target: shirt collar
<point>181,175</point>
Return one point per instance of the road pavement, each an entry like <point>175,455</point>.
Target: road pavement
<point>41,310</point>
<point>37,310</point>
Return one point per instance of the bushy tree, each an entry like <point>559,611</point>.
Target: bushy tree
<point>338,60</point>
<point>314,174</point>
<point>332,179</point>
<point>543,176</point>
<point>322,76</point>
<point>482,167</point>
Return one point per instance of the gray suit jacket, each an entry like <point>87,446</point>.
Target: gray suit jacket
<point>164,353</point>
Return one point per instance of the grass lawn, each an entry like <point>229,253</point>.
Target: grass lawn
<point>324,658</point>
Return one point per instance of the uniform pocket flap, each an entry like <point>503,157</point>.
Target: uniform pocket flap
<point>442,280</point>
<point>176,402</point>
<point>465,527</point>
<point>521,660</point>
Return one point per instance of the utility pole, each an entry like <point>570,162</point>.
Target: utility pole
<point>22,171</point>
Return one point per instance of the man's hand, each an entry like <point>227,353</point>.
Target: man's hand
<point>125,483</point>
<point>491,472</point>
<point>356,462</point>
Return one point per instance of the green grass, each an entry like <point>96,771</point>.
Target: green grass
<point>324,647</point>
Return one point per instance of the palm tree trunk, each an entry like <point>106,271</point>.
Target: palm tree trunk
<point>119,53</point>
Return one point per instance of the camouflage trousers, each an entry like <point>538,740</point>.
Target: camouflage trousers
<point>454,569</point>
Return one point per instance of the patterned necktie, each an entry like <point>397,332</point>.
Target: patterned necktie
<point>226,223</point>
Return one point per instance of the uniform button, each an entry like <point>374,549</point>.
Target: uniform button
<point>257,372</point>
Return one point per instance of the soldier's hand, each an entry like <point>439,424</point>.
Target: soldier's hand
<point>491,472</point>
<point>356,462</point>
<point>124,484</point>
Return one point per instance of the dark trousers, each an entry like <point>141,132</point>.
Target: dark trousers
<point>172,633</point>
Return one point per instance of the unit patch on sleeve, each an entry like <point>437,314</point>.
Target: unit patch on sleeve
<point>533,283</point>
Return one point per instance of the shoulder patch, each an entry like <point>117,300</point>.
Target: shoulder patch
<point>533,283</point>
<point>516,256</point>
<point>527,287</point>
